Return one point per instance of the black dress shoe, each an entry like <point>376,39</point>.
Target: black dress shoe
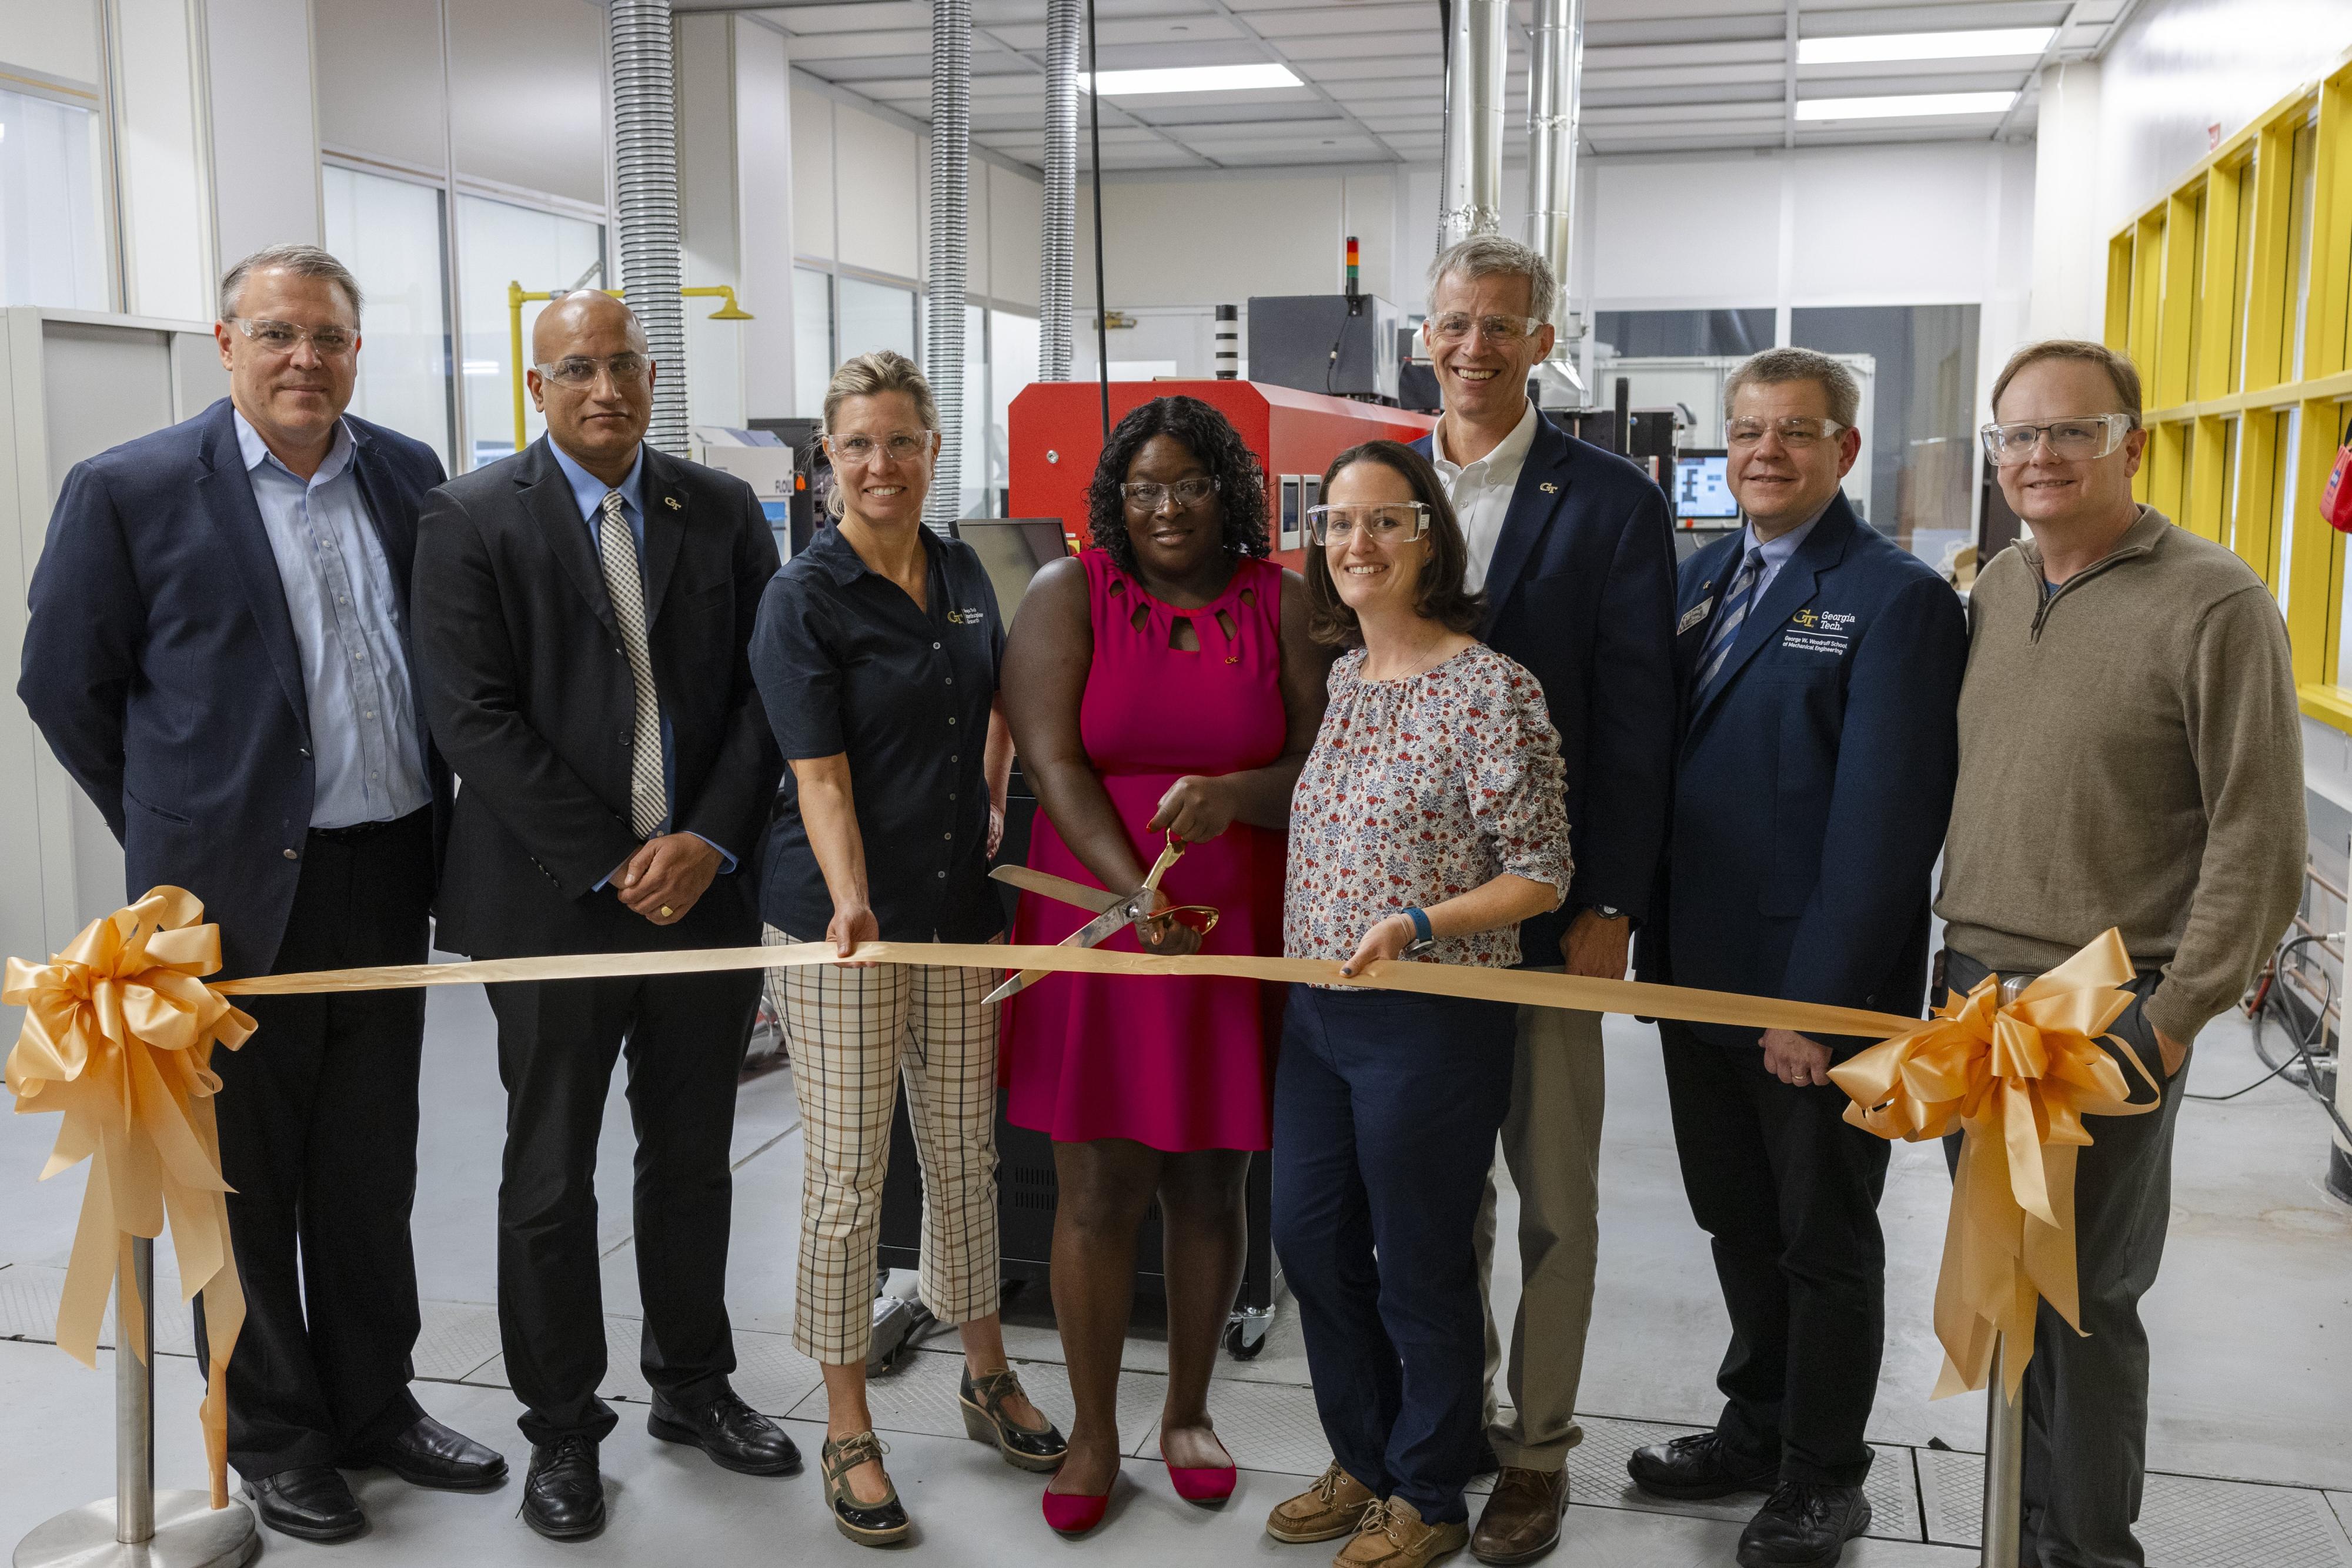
<point>1699,1465</point>
<point>735,1436</point>
<point>563,1495</point>
<point>1803,1525</point>
<point>311,1502</point>
<point>431,1455</point>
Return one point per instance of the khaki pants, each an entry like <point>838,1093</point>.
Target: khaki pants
<point>853,1034</point>
<point>1551,1143</point>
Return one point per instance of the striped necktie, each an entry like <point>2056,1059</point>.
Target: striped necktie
<point>1737,601</point>
<point>648,798</point>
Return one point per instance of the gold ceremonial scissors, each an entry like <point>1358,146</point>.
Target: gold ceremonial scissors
<point>1112,910</point>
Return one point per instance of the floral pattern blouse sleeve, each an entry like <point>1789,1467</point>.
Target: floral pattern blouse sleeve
<point>1518,784</point>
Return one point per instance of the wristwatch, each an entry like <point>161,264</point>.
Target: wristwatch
<point>1424,938</point>
<point>1606,911</point>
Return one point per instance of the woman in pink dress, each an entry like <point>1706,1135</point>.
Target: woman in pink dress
<point>1159,685</point>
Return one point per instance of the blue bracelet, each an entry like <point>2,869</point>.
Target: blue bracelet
<point>1422,930</point>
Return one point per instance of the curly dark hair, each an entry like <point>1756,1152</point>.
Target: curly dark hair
<point>1210,437</point>
<point>1440,595</point>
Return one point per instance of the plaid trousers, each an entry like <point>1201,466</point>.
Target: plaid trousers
<point>852,1033</point>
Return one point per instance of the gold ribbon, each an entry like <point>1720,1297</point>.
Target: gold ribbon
<point>2017,1081</point>
<point>118,1037</point>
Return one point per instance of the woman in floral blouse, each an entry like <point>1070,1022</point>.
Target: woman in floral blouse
<point>1428,823</point>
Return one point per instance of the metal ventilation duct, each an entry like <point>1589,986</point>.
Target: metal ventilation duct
<point>1470,198</point>
<point>1057,259</point>
<point>950,232</point>
<point>644,155</point>
<point>1556,66</point>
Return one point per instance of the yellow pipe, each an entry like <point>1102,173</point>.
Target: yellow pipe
<point>518,296</point>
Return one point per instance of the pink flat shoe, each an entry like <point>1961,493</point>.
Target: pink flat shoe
<point>1213,1483</point>
<point>1075,1512</point>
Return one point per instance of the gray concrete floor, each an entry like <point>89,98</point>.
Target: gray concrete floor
<point>2251,1436</point>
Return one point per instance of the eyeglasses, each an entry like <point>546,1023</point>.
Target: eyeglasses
<point>902,447</point>
<point>285,336</point>
<point>1796,435</point>
<point>1384,520</point>
<point>1454,326</point>
<point>580,370</point>
<point>2070,440</point>
<point>1146,497</point>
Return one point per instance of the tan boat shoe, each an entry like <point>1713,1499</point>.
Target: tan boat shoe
<point>1393,1536</point>
<point>1327,1510</point>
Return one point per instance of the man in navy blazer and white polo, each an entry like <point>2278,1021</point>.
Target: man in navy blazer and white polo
<point>1573,548</point>
<point>1820,665</point>
<point>219,653</point>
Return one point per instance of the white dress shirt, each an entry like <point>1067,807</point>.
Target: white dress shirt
<point>1481,491</point>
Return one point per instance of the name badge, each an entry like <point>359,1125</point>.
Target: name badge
<point>1694,615</point>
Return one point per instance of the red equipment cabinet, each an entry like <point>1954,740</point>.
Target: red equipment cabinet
<point>1056,437</point>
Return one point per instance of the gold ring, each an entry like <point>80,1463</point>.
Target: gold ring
<point>665,909</point>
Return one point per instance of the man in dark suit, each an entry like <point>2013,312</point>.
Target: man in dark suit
<point>1573,550</point>
<point>219,655</point>
<point>584,610</point>
<point>1820,665</point>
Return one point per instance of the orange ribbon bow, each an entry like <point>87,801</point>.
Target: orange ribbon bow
<point>118,1036</point>
<point>2017,1081</point>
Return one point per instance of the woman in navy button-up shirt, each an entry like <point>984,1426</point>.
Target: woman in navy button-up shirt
<point>876,655</point>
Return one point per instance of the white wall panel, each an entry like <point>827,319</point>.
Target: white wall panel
<point>527,94</point>
<point>380,82</point>
<point>1016,235</point>
<point>1212,240</point>
<point>882,179</point>
<point>265,132</point>
<point>1894,224</point>
<point>811,164</point>
<point>763,160</point>
<point>708,213</point>
<point>1683,230</point>
<point>57,38</point>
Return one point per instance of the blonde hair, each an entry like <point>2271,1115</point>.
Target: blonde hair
<point>2120,369</point>
<point>871,375</point>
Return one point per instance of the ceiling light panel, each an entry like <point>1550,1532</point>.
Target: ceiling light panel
<point>1905,106</point>
<point>1190,78</point>
<point>1979,43</point>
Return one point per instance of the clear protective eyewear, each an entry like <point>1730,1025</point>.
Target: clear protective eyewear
<point>1454,326</point>
<point>859,449</point>
<point>1385,521</point>
<point>1795,433</point>
<point>2070,440</point>
<point>285,336</point>
<point>1146,497</point>
<point>580,370</point>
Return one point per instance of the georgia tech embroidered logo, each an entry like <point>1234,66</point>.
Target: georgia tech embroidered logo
<point>965,617</point>
<point>1549,488</point>
<point>1806,618</point>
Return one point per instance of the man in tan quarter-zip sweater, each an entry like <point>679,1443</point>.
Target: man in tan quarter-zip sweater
<point>2130,756</point>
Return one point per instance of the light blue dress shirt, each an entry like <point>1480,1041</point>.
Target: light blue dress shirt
<point>1776,552</point>
<point>339,594</point>
<point>588,494</point>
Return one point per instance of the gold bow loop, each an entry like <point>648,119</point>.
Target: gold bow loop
<point>118,1037</point>
<point>2015,1080</point>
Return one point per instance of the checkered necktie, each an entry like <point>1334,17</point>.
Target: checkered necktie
<point>648,799</point>
<point>1736,600</point>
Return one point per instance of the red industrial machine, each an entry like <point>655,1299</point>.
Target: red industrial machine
<point>1057,437</point>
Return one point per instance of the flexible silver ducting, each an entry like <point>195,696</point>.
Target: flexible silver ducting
<point>1555,68</point>
<point>1470,196</point>
<point>951,238</point>
<point>644,155</point>
<point>1058,257</point>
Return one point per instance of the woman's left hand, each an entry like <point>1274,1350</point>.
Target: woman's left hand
<point>1195,809</point>
<point>995,829</point>
<point>1386,939</point>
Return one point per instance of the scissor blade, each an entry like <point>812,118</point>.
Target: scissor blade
<point>1092,932</point>
<point>1058,888</point>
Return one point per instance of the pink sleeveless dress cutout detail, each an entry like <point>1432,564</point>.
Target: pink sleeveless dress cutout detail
<point>1174,1064</point>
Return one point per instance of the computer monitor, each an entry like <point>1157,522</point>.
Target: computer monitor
<point>1013,550</point>
<point>1703,488</point>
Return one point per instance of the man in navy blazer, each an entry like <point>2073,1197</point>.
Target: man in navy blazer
<point>219,653</point>
<point>1573,550</point>
<point>1820,665</point>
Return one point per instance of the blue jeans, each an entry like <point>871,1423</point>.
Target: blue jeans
<point>1386,1106</point>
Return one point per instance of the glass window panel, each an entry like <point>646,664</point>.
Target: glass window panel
<point>1921,426</point>
<point>388,232</point>
<point>813,359</point>
<point>877,316</point>
<point>52,238</point>
<point>498,243</point>
<point>1661,334</point>
<point>1013,356</point>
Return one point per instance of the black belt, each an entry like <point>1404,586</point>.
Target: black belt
<point>359,832</point>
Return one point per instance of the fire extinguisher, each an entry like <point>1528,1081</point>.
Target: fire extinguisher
<point>2336,500</point>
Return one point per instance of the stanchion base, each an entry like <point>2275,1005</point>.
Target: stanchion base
<point>189,1533</point>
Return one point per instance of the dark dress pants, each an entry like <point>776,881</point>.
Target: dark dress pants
<point>683,1037</point>
<point>318,1135</point>
<point>1789,1193</point>
<point>2086,1394</point>
<point>1386,1107</point>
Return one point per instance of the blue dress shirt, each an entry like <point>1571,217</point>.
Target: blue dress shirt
<point>1776,552</point>
<point>339,594</point>
<point>588,494</point>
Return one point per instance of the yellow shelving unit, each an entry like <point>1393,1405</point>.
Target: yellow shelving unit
<point>2234,295</point>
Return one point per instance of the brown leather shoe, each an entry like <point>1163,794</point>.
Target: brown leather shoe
<point>1522,1519</point>
<point>1327,1510</point>
<point>1394,1536</point>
